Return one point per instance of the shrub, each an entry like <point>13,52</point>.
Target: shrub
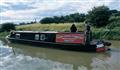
<point>99,16</point>
<point>7,27</point>
<point>114,22</point>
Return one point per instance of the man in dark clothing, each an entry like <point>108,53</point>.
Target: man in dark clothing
<point>88,34</point>
<point>73,28</point>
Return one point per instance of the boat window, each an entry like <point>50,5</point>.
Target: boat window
<point>36,36</point>
<point>17,36</point>
<point>42,37</point>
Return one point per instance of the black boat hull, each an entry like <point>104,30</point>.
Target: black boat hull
<point>79,41</point>
<point>73,47</point>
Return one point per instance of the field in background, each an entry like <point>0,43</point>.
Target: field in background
<point>50,27</point>
<point>98,33</point>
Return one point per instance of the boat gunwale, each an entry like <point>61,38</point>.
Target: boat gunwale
<point>81,32</point>
<point>47,42</point>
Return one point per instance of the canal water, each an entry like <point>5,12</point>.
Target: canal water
<point>26,57</point>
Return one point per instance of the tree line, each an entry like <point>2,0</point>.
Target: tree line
<point>98,16</point>
<point>76,17</point>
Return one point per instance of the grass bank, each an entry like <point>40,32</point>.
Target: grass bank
<point>103,33</point>
<point>3,34</point>
<point>98,33</point>
<point>50,27</point>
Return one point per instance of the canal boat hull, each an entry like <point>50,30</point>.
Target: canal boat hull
<point>73,47</point>
<point>72,41</point>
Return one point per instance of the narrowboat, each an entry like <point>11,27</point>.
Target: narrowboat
<point>81,41</point>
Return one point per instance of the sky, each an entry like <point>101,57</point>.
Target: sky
<point>28,10</point>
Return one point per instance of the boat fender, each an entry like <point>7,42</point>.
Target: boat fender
<point>107,43</point>
<point>100,44</point>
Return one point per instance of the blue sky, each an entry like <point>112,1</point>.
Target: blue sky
<point>28,10</point>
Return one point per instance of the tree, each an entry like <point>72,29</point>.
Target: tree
<point>7,26</point>
<point>56,19</point>
<point>47,20</point>
<point>76,17</point>
<point>99,16</point>
<point>62,19</point>
<point>115,13</point>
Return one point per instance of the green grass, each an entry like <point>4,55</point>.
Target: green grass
<point>98,33</point>
<point>3,34</point>
<point>50,27</point>
<point>114,34</point>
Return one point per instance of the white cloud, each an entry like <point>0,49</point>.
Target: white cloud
<point>48,5</point>
<point>15,1</point>
<point>31,14</point>
<point>42,7</point>
<point>26,14</point>
<point>4,2</point>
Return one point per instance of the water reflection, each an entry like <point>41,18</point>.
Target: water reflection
<point>36,58</point>
<point>4,49</point>
<point>75,59</point>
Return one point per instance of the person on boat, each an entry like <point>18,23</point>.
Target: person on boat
<point>73,28</point>
<point>88,33</point>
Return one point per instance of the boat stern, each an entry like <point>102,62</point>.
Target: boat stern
<point>102,46</point>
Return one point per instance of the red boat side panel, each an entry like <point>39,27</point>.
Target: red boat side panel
<point>70,38</point>
<point>101,49</point>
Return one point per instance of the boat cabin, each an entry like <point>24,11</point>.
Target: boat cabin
<point>78,40</point>
<point>50,36</point>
